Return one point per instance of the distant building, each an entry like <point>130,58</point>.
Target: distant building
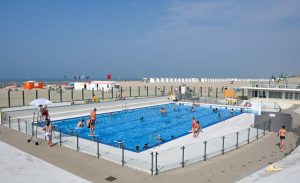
<point>97,85</point>
<point>273,91</point>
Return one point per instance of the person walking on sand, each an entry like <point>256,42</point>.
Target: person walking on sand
<point>93,121</point>
<point>48,132</point>
<point>282,133</point>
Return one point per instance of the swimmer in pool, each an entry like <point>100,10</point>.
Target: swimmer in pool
<point>163,111</point>
<point>80,123</point>
<point>193,109</point>
<point>231,113</point>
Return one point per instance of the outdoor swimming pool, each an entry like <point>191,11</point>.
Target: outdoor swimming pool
<point>127,126</point>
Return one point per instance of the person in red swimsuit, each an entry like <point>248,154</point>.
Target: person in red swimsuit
<point>45,112</point>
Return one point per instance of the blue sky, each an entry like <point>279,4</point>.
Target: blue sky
<point>142,38</point>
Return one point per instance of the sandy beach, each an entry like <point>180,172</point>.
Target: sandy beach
<point>138,89</point>
<point>129,89</point>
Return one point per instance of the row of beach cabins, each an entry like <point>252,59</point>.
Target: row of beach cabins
<point>195,80</point>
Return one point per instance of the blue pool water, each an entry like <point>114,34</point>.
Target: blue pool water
<point>126,126</point>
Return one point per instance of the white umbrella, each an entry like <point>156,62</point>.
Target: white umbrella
<point>40,101</point>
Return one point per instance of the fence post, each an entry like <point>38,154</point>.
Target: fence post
<point>123,162</point>
<point>156,167</point>
<point>129,91</point>
<point>26,126</point>
<point>9,123</point>
<point>257,133</point>
<point>77,143</point>
<point>93,92</point>
<point>264,128</point>
<point>23,97</point>
<point>182,162</point>
<point>60,137</point>
<point>121,92</point>
<point>205,157</point>
<point>32,129</point>
<point>194,92</point>
<point>243,94</point>
<point>155,90</point>
<point>151,163</point>
<point>98,148</point>
<point>36,94</point>
<point>208,91</point>
<point>49,96</point>
<point>60,93</point>
<point>223,145</point>
<point>249,135</point>
<point>72,94</point>
<point>217,92</point>
<point>200,91</point>
<point>8,95</point>
<point>147,91</point>
<point>82,93</point>
<point>163,93</point>
<point>237,140</point>
<point>139,91</point>
<point>102,93</point>
<point>112,93</point>
<point>18,124</point>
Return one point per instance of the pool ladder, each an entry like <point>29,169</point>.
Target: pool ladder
<point>37,119</point>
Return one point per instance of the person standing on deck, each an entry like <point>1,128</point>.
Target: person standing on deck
<point>93,121</point>
<point>194,126</point>
<point>282,133</point>
<point>48,132</point>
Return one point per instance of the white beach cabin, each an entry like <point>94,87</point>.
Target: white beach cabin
<point>97,85</point>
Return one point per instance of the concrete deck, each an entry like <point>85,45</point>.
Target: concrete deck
<point>230,167</point>
<point>227,168</point>
<point>18,166</point>
<point>289,174</point>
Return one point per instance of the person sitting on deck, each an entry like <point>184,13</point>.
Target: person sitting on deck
<point>45,113</point>
<point>120,97</point>
<point>95,99</point>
